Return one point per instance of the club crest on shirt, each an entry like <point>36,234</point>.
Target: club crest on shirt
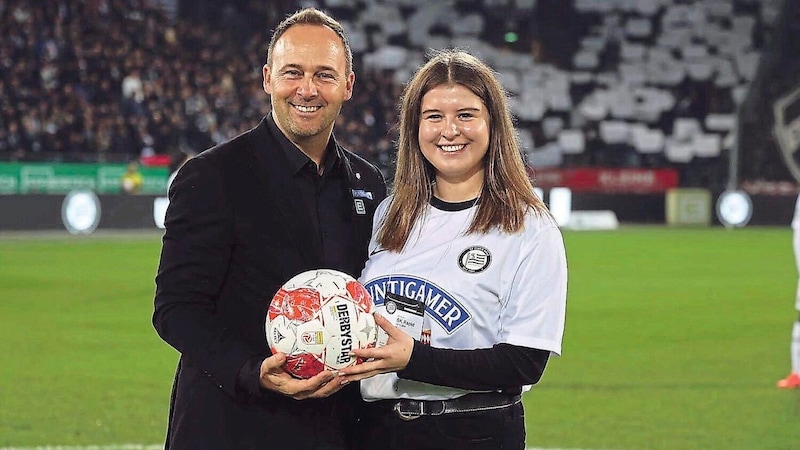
<point>360,208</point>
<point>474,259</point>
<point>439,305</point>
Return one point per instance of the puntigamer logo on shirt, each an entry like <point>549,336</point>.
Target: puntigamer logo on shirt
<point>439,305</point>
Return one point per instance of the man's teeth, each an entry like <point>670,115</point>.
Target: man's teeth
<point>306,109</point>
<point>452,148</point>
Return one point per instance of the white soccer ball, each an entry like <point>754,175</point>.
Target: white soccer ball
<point>317,318</point>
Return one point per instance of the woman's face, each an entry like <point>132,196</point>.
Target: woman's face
<point>454,133</point>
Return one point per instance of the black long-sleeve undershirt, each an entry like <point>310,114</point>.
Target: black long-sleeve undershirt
<point>504,366</point>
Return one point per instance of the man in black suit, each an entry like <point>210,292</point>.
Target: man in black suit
<point>244,217</point>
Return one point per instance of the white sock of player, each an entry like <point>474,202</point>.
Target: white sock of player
<point>796,347</point>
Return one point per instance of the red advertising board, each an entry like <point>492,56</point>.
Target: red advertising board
<point>598,180</point>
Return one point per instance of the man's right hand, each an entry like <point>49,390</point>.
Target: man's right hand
<point>275,378</point>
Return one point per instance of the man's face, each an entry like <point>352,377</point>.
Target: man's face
<point>308,82</point>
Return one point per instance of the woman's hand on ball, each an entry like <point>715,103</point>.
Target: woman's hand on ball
<point>392,357</point>
<point>274,378</point>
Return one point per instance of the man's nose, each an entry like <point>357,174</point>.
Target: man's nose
<point>307,89</point>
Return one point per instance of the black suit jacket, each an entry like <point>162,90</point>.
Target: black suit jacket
<point>235,232</point>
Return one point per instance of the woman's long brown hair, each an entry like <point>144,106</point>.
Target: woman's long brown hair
<point>507,193</point>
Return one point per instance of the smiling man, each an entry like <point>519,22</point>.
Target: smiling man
<point>308,75</point>
<point>246,216</point>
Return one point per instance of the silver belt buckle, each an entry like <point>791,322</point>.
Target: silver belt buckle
<point>401,415</point>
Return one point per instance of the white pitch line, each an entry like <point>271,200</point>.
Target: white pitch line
<point>90,447</point>
<point>161,447</point>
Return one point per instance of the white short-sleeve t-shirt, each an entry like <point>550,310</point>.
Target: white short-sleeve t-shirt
<point>479,289</point>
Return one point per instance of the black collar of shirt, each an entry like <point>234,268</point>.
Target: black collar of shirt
<point>440,204</point>
<point>297,159</point>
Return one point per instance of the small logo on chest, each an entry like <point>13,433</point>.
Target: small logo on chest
<point>474,259</point>
<point>360,208</point>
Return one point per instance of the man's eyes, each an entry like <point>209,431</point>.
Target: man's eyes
<point>299,74</point>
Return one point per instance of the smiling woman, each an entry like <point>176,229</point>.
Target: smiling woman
<point>474,250</point>
<point>454,138</point>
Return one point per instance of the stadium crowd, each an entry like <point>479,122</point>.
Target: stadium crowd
<point>116,80</point>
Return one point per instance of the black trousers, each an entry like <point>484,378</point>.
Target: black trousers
<point>498,429</point>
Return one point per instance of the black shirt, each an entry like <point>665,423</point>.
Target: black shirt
<point>328,204</point>
<point>326,198</point>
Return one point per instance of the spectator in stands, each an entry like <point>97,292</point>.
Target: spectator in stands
<point>133,87</point>
<point>130,57</point>
<point>132,179</point>
<point>243,218</point>
<point>463,225</point>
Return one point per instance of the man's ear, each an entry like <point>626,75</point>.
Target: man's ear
<point>266,74</point>
<point>351,80</point>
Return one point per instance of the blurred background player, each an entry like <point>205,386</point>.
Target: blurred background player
<point>793,379</point>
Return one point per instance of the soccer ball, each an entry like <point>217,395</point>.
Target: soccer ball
<point>317,318</point>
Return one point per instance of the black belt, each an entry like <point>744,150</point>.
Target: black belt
<point>408,409</point>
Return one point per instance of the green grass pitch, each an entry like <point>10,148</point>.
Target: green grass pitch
<point>674,340</point>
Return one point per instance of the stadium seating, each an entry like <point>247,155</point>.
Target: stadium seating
<point>621,83</point>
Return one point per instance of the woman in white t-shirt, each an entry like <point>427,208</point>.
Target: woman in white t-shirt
<point>463,238</point>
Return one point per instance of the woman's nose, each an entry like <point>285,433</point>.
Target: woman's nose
<point>451,130</point>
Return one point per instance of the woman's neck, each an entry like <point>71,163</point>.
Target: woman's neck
<point>458,192</point>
